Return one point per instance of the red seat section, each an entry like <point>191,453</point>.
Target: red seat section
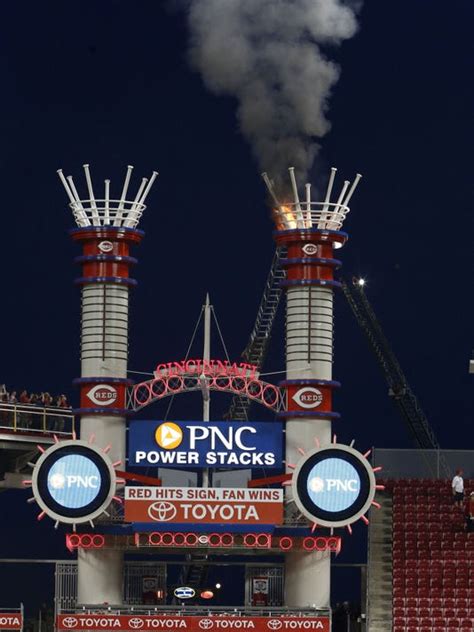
<point>433,558</point>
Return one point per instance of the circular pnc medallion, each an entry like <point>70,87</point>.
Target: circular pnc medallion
<point>334,485</point>
<point>73,482</point>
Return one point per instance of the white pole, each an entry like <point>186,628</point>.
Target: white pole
<point>107,198</point>
<point>206,400</point>
<point>327,199</point>
<point>95,214</point>
<point>296,196</point>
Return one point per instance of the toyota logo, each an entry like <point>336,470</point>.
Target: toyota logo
<point>135,623</point>
<point>162,511</point>
<point>274,624</point>
<point>206,624</point>
<point>70,622</point>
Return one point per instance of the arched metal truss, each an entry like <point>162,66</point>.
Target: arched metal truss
<point>250,388</point>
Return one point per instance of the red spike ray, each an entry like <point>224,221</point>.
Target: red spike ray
<point>313,527</point>
<point>107,449</point>
<point>292,466</point>
<point>349,528</point>
<point>40,448</point>
<point>41,515</point>
<point>364,520</point>
<point>376,505</point>
<point>317,442</point>
<point>56,440</point>
<point>380,487</point>
<point>26,483</point>
<point>366,454</point>
<point>118,500</point>
<point>301,451</point>
<point>286,483</point>
<point>377,469</point>
<point>116,463</point>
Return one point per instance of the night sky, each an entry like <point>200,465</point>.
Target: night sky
<point>109,84</point>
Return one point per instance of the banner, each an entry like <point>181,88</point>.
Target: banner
<point>197,444</point>
<point>203,505</point>
<point>109,623</point>
<point>11,621</point>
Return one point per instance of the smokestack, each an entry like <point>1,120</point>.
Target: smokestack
<point>268,54</point>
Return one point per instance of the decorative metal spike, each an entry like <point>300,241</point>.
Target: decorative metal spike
<point>31,464</point>
<point>292,466</point>
<point>56,524</point>
<point>317,442</point>
<point>91,522</point>
<point>366,454</point>
<point>301,451</point>
<point>31,500</point>
<point>349,528</point>
<point>381,487</point>
<point>377,469</point>
<point>118,500</point>
<point>351,444</point>
<point>40,448</point>
<point>116,463</point>
<point>26,483</point>
<point>91,439</point>
<point>107,449</point>
<point>364,520</point>
<point>56,440</point>
<point>313,527</point>
<point>41,515</point>
<point>334,439</point>
<point>376,504</point>
<point>287,483</point>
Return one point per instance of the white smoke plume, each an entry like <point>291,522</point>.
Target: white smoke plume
<point>267,53</point>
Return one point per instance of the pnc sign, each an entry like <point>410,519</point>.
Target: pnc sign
<point>210,444</point>
<point>73,482</point>
<point>333,486</point>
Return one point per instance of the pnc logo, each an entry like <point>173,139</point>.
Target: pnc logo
<point>162,511</point>
<point>102,394</point>
<point>62,481</point>
<point>308,397</point>
<point>168,436</point>
<point>318,484</point>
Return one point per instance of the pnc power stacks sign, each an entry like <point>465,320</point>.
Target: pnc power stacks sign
<point>194,444</point>
<point>206,506</point>
<point>109,623</point>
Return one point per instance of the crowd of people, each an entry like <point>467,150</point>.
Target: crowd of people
<point>45,400</point>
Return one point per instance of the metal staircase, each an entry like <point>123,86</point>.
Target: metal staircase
<point>399,389</point>
<point>257,346</point>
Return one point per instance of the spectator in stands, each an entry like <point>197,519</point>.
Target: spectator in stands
<point>12,398</point>
<point>34,399</point>
<point>24,397</point>
<point>47,400</point>
<point>458,488</point>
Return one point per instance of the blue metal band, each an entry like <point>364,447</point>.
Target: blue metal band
<point>107,229</point>
<point>307,282</point>
<point>118,280</point>
<point>109,258</point>
<point>329,383</point>
<point>284,414</point>
<point>105,380</point>
<point>304,232</point>
<point>121,412</point>
<point>315,261</point>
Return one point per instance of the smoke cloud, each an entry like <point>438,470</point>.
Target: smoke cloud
<point>268,54</point>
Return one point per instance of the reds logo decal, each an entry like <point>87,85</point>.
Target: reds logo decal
<point>308,397</point>
<point>106,246</point>
<point>102,394</point>
<point>310,249</point>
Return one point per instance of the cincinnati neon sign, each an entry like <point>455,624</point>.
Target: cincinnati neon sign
<point>208,368</point>
<point>174,378</point>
